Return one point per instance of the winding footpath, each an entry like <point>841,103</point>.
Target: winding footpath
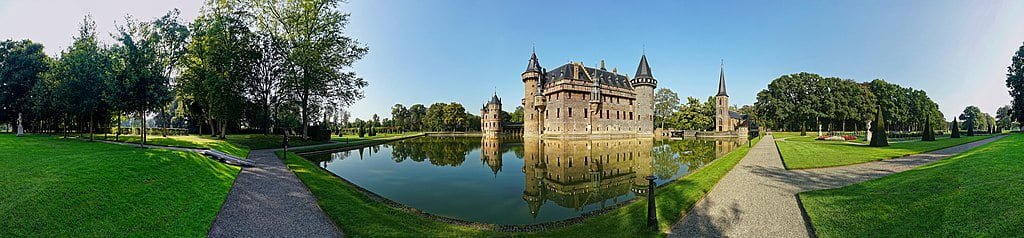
<point>758,198</point>
<point>266,200</point>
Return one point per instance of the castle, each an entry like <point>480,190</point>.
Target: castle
<point>575,101</point>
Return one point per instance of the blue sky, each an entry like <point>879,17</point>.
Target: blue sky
<point>431,51</point>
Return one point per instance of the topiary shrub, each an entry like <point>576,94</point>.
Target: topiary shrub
<point>878,137</point>
<point>929,134</point>
<point>956,129</point>
<point>362,131</point>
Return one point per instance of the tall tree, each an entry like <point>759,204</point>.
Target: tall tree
<point>83,68</point>
<point>21,63</point>
<point>219,61</point>
<point>1015,82</point>
<point>137,66</point>
<point>171,37</point>
<point>319,49</point>
<point>417,113</point>
<point>517,115</point>
<point>665,103</point>
<point>973,119</point>
<point>928,134</point>
<point>1004,118</point>
<point>400,115</point>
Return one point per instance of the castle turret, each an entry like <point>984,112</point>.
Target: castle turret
<point>490,117</point>
<point>643,84</point>
<point>722,120</point>
<point>533,83</point>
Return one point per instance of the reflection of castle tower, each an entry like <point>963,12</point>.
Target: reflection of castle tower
<point>490,117</point>
<point>574,100</point>
<point>576,173</point>
<point>490,151</point>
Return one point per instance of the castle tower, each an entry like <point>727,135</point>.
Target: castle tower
<point>533,82</point>
<point>643,84</point>
<point>722,119</point>
<point>490,117</point>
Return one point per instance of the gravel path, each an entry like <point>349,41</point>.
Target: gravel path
<point>758,197</point>
<point>268,200</point>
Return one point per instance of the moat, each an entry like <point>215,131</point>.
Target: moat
<point>516,180</point>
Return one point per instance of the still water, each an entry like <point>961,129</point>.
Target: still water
<point>517,181</point>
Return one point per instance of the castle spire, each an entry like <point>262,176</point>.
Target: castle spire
<point>721,81</point>
<point>534,64</point>
<point>643,70</point>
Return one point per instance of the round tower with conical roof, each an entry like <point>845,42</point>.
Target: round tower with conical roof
<point>533,83</point>
<point>644,84</point>
<point>490,117</point>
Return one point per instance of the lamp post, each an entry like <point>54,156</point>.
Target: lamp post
<point>652,216</point>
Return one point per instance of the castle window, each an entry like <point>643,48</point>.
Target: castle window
<point>608,114</point>
<point>558,112</point>
<point>631,102</point>
<point>570,111</point>
<point>630,115</point>
<point>618,115</point>
<point>584,112</point>
<point>568,96</point>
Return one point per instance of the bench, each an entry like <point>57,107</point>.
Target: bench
<point>228,159</point>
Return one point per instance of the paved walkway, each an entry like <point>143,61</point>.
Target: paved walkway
<point>758,197</point>
<point>268,200</point>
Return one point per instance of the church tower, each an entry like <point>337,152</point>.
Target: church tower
<point>643,84</point>
<point>722,119</point>
<point>533,97</point>
<point>490,117</point>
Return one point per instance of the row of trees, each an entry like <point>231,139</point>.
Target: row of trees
<point>796,102</point>
<point>691,115</point>
<point>239,64</point>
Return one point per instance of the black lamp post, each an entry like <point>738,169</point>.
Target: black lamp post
<point>652,216</point>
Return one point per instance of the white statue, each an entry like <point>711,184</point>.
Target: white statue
<point>21,130</point>
<point>868,137</point>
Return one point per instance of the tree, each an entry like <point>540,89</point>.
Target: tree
<point>1004,118</point>
<point>21,63</point>
<point>1015,82</point>
<point>665,103</point>
<point>517,115</point>
<point>79,77</point>
<point>137,67</point>
<point>269,71</point>
<point>171,37</point>
<point>400,115</point>
<point>417,113</point>
<point>693,115</point>
<point>319,49</point>
<point>454,116</point>
<point>878,136</point>
<point>973,119</point>
<point>217,65</point>
<point>956,129</point>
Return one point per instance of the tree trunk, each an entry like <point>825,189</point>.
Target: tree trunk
<point>142,128</point>
<point>167,119</point>
<point>223,127</point>
<point>117,135</point>
<point>91,132</point>
<point>213,127</point>
<point>305,113</point>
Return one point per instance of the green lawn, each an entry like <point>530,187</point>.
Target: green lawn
<point>71,188</point>
<point>237,145</point>
<point>805,152</point>
<point>979,193</point>
<point>358,215</point>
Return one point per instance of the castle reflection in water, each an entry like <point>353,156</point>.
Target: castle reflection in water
<point>576,175</point>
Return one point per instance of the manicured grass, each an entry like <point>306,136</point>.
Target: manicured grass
<point>805,152</point>
<point>979,193</point>
<point>358,215</point>
<point>237,145</point>
<point>56,187</point>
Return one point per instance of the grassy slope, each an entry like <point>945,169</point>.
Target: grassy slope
<point>805,152</point>
<point>974,194</point>
<point>71,188</point>
<point>359,216</point>
<point>237,145</point>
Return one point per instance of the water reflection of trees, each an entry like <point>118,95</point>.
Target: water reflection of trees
<point>440,151</point>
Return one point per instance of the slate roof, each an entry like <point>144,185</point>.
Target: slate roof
<point>721,82</point>
<point>643,70</point>
<point>604,77</point>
